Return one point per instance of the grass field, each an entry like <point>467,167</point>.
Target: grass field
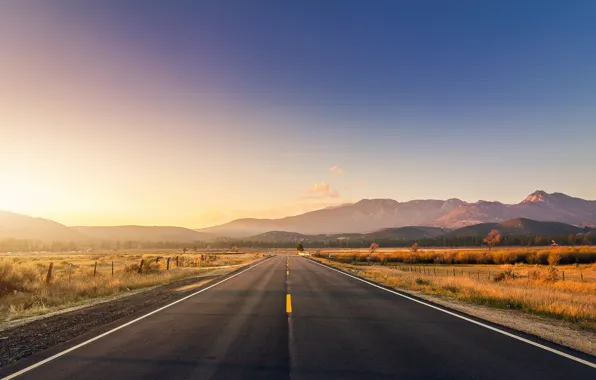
<point>28,287</point>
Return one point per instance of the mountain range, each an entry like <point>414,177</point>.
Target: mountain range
<point>368,218</point>
<point>369,215</point>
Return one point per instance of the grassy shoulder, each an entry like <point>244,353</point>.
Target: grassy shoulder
<point>28,287</point>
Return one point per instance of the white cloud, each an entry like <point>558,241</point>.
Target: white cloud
<point>336,170</point>
<point>319,190</point>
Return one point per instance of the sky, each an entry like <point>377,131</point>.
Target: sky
<point>196,113</point>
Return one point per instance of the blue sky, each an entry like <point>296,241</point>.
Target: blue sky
<point>249,104</point>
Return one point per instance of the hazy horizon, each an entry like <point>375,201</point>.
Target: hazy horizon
<point>139,113</point>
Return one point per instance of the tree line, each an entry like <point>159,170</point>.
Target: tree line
<point>22,245</point>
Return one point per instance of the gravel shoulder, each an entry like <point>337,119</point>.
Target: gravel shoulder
<point>23,338</point>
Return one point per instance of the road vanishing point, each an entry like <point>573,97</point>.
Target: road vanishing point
<point>288,317</point>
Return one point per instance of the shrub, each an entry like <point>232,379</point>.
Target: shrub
<point>506,274</point>
<point>552,274</point>
<point>16,278</point>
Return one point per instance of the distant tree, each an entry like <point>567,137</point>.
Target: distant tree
<point>554,258</point>
<point>586,240</point>
<point>300,247</point>
<point>493,238</point>
<point>234,249</point>
<point>184,250</point>
<point>571,239</point>
<point>415,247</point>
<point>373,247</point>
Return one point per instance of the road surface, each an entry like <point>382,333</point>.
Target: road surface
<point>291,318</point>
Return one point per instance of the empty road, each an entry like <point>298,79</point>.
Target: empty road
<point>291,318</point>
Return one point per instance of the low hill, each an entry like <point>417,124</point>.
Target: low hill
<point>279,236</point>
<point>17,226</point>
<point>143,233</point>
<point>517,227</point>
<point>406,233</point>
<point>402,233</point>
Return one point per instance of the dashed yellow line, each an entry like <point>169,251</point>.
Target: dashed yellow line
<point>288,303</point>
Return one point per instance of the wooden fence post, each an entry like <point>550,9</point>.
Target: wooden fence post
<point>581,275</point>
<point>141,266</point>
<point>95,269</point>
<point>177,262</point>
<point>49,274</point>
<point>69,272</point>
<point>168,264</point>
<point>453,272</point>
<point>112,268</point>
<point>563,275</point>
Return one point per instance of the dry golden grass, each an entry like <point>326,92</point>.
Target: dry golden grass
<point>25,291</point>
<point>506,255</point>
<point>573,301</point>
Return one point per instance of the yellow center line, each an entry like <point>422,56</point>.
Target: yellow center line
<point>288,303</point>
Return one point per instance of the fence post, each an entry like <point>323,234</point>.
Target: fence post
<point>489,274</point>
<point>112,268</point>
<point>479,274</point>
<point>49,274</point>
<point>168,264</point>
<point>453,272</point>
<point>563,275</point>
<point>95,269</point>
<point>435,272</point>
<point>141,266</point>
<point>69,272</point>
<point>176,261</point>
<point>581,274</point>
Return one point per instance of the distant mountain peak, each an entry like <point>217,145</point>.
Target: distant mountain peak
<point>536,197</point>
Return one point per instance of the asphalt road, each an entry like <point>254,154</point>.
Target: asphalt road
<point>337,328</point>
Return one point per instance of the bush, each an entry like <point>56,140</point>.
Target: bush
<point>13,278</point>
<point>506,274</point>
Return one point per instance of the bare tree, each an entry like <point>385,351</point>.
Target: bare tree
<point>415,247</point>
<point>373,247</point>
<point>493,238</point>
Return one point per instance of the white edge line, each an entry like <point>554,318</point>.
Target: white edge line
<point>561,353</point>
<point>38,364</point>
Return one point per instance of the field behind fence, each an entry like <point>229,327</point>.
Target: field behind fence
<point>35,283</point>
